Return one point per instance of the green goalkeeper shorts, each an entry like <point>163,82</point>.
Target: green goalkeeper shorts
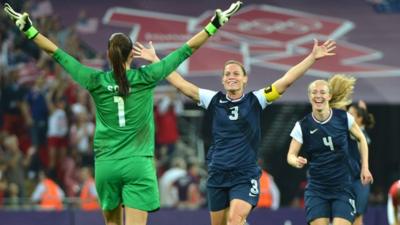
<point>130,181</point>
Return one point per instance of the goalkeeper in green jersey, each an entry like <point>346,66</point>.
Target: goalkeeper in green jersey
<point>124,136</point>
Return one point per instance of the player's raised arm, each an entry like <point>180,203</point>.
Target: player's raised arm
<point>149,54</point>
<point>274,91</point>
<point>217,21</point>
<point>24,24</point>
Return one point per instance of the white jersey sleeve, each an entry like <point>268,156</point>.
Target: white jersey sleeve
<point>205,97</point>
<point>261,98</point>
<point>296,133</point>
<point>350,120</point>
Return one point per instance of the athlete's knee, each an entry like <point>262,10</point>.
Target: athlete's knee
<point>238,212</point>
<point>358,221</point>
<point>218,222</point>
<point>236,219</point>
<point>135,216</point>
<point>113,217</point>
<point>219,218</point>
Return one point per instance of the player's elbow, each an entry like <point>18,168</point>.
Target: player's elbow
<point>289,159</point>
<point>292,160</point>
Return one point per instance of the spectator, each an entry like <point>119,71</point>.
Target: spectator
<point>189,194</point>
<point>12,98</point>
<point>3,190</point>
<point>169,193</point>
<point>58,128</point>
<point>48,194</point>
<point>13,199</point>
<point>82,104</point>
<point>81,134</point>
<point>88,196</point>
<point>15,163</point>
<point>166,111</point>
<point>36,117</point>
<point>68,173</point>
<point>269,192</point>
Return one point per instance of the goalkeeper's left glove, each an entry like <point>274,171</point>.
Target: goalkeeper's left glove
<point>220,18</point>
<point>22,21</point>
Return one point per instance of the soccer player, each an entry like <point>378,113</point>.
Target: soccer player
<point>324,135</point>
<point>365,121</point>
<point>124,136</point>
<point>233,172</point>
<point>393,204</point>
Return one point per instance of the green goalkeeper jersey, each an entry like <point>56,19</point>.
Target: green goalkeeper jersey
<point>124,125</point>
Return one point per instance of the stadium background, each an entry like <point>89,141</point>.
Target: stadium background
<point>269,37</point>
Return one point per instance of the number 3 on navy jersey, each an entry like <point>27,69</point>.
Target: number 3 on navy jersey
<point>121,110</point>
<point>234,113</point>
<point>328,142</point>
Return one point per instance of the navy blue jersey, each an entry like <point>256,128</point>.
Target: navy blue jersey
<point>326,144</point>
<point>236,130</point>
<point>355,158</point>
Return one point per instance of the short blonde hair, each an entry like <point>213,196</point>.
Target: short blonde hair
<point>341,87</point>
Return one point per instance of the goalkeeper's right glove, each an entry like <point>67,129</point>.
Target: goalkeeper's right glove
<point>220,18</point>
<point>22,21</point>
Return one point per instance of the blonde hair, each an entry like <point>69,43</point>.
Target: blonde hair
<point>341,87</point>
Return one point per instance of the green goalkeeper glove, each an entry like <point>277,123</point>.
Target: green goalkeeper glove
<point>22,21</point>
<point>221,17</point>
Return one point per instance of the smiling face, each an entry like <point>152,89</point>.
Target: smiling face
<point>234,78</point>
<point>319,95</point>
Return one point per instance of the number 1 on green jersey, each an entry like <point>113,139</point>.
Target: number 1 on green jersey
<point>121,110</point>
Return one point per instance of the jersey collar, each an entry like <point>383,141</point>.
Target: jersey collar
<point>325,121</point>
<point>234,100</point>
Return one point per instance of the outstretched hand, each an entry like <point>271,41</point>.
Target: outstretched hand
<point>221,17</point>
<point>326,49</point>
<point>141,52</point>
<point>22,21</point>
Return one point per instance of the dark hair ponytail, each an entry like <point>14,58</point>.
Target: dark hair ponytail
<point>119,48</point>
<point>367,118</point>
<point>370,121</point>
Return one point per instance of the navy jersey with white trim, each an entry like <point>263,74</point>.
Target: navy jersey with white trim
<point>236,130</point>
<point>326,144</point>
